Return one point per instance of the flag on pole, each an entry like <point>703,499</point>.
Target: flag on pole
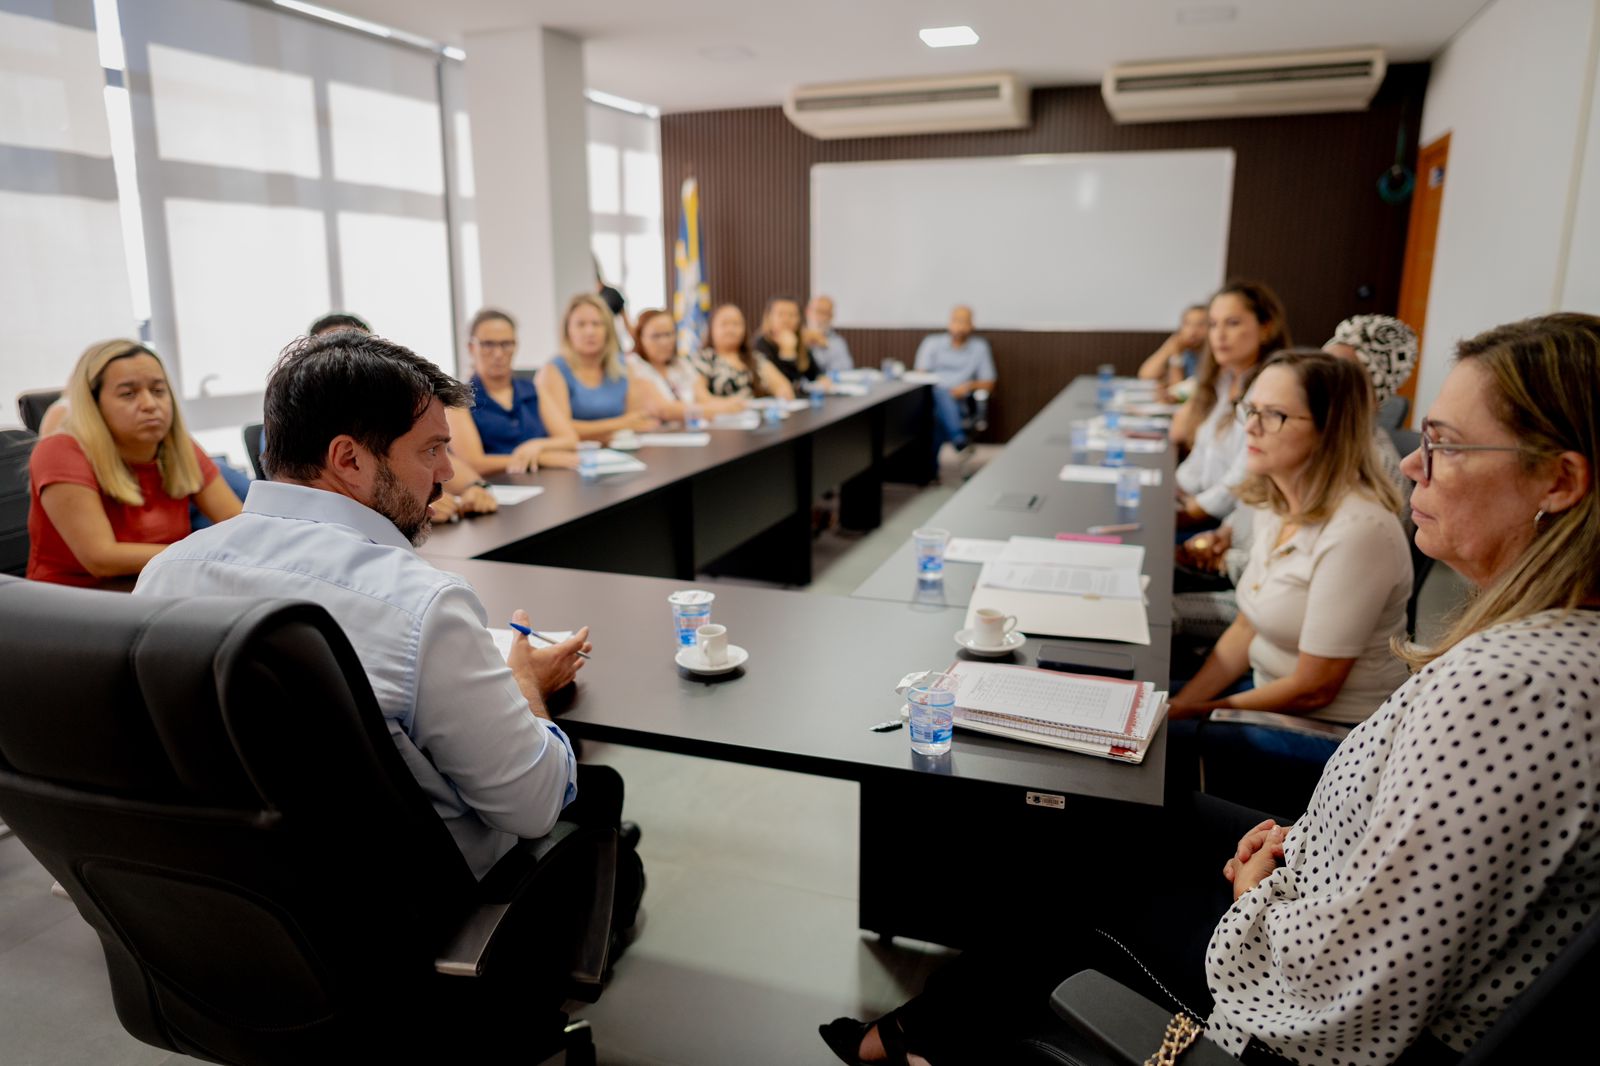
<point>691,297</point>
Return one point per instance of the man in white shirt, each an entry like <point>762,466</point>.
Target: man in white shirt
<point>964,365</point>
<point>356,449</point>
<point>828,349</point>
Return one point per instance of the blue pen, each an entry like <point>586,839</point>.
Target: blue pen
<point>525,631</point>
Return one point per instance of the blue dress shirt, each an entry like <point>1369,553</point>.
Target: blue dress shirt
<point>834,355</point>
<point>501,430</point>
<point>493,771</point>
<point>972,361</point>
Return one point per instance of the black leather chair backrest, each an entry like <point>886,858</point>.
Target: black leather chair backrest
<point>252,448</point>
<point>213,783</point>
<point>16,447</point>
<point>31,406</point>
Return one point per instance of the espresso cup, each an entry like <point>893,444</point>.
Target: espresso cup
<point>990,627</point>
<point>712,640</point>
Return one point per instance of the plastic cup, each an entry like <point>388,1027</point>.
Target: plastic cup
<point>691,609</point>
<point>930,543</point>
<point>817,398</point>
<point>932,702</point>
<point>588,459</point>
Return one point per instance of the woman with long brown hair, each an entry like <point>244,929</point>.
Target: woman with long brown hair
<point>729,365</point>
<point>1246,324</point>
<point>678,385</point>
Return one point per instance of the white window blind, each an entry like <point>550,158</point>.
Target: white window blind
<point>63,275</point>
<point>286,168</point>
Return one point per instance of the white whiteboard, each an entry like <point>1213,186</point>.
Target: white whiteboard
<point>1114,241</point>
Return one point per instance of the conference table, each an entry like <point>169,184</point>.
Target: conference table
<point>738,506</point>
<point>937,833</point>
<point>1019,493</point>
<point>821,671</point>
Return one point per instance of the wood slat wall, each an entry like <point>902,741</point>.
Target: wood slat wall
<point>1306,218</point>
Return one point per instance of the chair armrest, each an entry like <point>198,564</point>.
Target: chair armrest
<point>1123,1023</point>
<point>567,879</point>
<point>1287,723</point>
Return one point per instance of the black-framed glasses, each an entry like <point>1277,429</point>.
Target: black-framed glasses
<point>1271,421</point>
<point>1430,444</point>
<point>495,346</point>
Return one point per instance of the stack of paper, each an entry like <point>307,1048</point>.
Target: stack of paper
<point>674,440</point>
<point>839,388</point>
<point>1067,589</point>
<point>511,495</point>
<point>861,373</point>
<point>1131,445</point>
<point>1107,475</point>
<point>608,461</point>
<point>920,377</point>
<point>737,420</point>
<point>1107,717</point>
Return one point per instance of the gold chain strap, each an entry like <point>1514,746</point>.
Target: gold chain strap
<point>1182,1031</point>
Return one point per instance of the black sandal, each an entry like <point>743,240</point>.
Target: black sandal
<point>844,1035</point>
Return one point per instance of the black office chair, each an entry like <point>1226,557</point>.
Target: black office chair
<point>252,448</point>
<point>16,447</point>
<point>31,406</point>
<point>1112,1025</point>
<point>1392,412</point>
<point>975,413</point>
<point>213,783</point>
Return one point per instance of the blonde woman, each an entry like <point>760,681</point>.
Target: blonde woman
<point>1329,574</point>
<point>586,391</point>
<point>1450,851</point>
<point>113,488</point>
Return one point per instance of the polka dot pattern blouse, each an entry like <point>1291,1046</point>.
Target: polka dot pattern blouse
<point>1448,854</point>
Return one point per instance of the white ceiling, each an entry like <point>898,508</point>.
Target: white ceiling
<point>690,55</point>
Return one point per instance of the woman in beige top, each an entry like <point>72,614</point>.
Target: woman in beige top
<point>1330,571</point>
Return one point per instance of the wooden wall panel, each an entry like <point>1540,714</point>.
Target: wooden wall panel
<point>1306,215</point>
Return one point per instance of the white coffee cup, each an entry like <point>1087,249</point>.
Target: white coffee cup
<point>990,627</point>
<point>625,438</point>
<point>712,640</point>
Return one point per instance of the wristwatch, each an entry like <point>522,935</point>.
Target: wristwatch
<point>481,484</point>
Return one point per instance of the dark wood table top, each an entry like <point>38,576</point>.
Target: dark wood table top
<point>567,497</point>
<point>822,669</point>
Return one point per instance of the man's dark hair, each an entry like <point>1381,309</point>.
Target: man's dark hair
<point>346,383</point>
<point>338,320</point>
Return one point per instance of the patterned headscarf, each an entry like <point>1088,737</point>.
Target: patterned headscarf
<point>1386,346</point>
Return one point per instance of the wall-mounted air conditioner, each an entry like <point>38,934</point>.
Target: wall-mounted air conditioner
<point>1291,84</point>
<point>906,106</point>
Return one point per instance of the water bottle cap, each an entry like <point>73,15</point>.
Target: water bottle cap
<point>690,597</point>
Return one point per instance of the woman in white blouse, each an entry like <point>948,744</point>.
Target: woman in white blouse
<point>1246,325</point>
<point>1451,849</point>
<point>1329,574</point>
<point>678,385</point>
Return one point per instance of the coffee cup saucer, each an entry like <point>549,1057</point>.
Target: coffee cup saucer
<point>967,639</point>
<point>627,444</point>
<point>693,661</point>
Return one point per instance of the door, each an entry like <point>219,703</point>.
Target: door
<point>1417,273</point>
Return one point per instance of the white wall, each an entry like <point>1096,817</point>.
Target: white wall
<point>1514,91</point>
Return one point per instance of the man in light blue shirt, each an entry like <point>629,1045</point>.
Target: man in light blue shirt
<point>828,349</point>
<point>964,365</point>
<point>356,448</point>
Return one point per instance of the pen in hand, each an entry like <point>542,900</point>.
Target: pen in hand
<point>525,631</point>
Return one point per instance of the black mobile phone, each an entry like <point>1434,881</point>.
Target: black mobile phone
<point>1085,659</point>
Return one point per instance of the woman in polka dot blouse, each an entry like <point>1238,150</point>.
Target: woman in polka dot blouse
<point>1451,849</point>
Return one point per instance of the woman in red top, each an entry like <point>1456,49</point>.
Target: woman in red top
<point>114,488</point>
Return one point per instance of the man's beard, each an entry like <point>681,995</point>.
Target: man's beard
<point>409,514</point>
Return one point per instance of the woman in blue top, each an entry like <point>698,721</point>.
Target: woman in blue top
<point>585,390</point>
<point>503,431</point>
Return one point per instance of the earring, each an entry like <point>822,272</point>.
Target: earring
<point>1538,518</point>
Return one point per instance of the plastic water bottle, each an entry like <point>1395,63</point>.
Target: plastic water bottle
<point>1116,448</point>
<point>1128,487</point>
<point>693,417</point>
<point>932,717</point>
<point>771,415</point>
<point>817,397</point>
<point>1105,390</point>
<point>588,459</point>
<point>1116,443</point>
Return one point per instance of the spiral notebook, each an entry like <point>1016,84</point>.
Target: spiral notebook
<point>1101,716</point>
